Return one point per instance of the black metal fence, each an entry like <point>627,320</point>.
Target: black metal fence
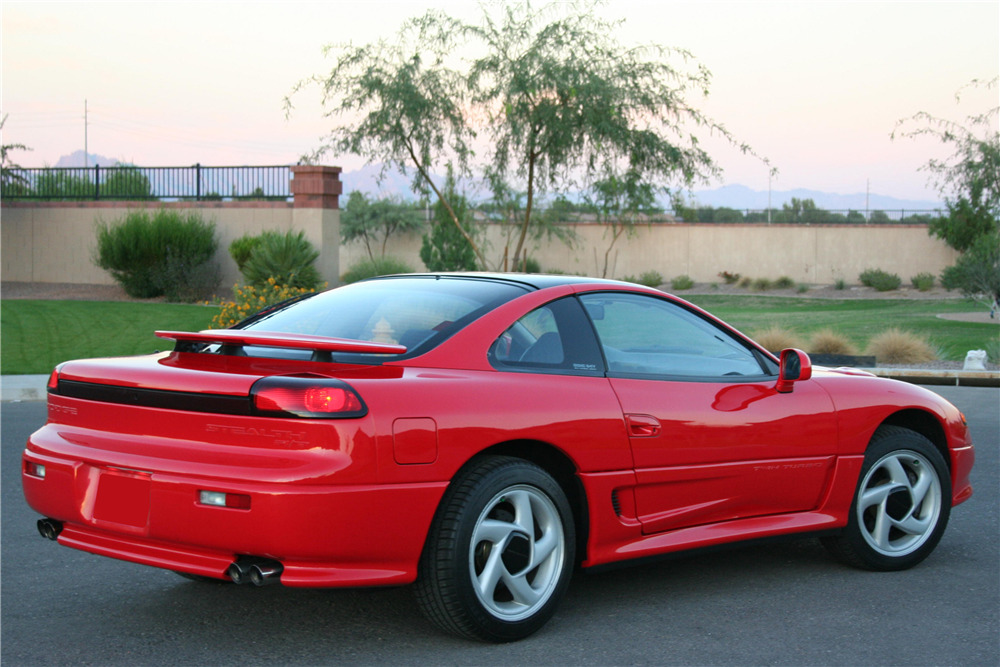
<point>196,183</point>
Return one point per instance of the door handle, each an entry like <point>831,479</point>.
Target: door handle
<point>643,426</point>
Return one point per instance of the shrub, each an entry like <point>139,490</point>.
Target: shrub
<point>923,281</point>
<point>775,339</point>
<point>895,346</point>
<point>651,279</point>
<point>746,282</point>
<point>380,266</point>
<point>152,254</point>
<point>678,283</point>
<point>827,341</point>
<point>880,280</point>
<point>784,282</point>
<point>840,284</point>
<point>250,299</point>
<point>802,288</point>
<point>531,265</point>
<point>288,258</point>
<point>242,248</point>
<point>729,278</point>
<point>762,284</point>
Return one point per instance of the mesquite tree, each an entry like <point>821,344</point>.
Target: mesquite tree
<point>550,99</point>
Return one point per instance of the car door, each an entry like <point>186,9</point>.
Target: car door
<point>711,438</point>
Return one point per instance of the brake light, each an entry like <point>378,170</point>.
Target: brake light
<point>54,380</point>
<point>316,398</point>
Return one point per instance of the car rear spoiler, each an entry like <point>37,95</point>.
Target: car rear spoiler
<point>237,338</point>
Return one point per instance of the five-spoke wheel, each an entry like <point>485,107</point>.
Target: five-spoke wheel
<point>901,505</point>
<point>500,553</point>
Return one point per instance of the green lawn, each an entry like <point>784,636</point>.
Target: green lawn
<point>38,334</point>
<point>858,319</point>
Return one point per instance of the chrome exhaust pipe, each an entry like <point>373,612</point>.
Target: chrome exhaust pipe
<point>257,571</point>
<point>49,528</point>
<point>265,572</point>
<point>239,572</point>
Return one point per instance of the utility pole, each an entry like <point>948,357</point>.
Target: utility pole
<point>86,156</point>
<point>868,190</point>
<point>769,175</point>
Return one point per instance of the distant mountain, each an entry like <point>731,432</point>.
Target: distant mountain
<point>76,159</point>
<point>731,196</point>
<point>742,197</point>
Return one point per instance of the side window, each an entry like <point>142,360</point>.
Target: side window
<point>554,338</point>
<point>644,335</point>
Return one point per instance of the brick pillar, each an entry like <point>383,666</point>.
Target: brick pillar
<point>316,211</point>
<point>316,187</point>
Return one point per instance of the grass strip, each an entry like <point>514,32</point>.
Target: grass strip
<point>38,334</point>
<point>857,319</point>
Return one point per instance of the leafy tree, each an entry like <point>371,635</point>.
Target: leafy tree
<point>402,107</point>
<point>969,179</point>
<point>977,270</point>
<point>564,97</point>
<point>61,184</point>
<point>374,221</point>
<point>126,182</point>
<point>554,97</point>
<point>11,180</point>
<point>447,248</point>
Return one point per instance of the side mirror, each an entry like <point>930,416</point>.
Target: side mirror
<point>795,367</point>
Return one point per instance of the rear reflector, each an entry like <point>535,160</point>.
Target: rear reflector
<point>237,501</point>
<point>34,469</point>
<point>311,397</point>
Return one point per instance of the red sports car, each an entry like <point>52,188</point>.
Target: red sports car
<point>481,435</point>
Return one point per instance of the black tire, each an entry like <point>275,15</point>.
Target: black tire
<point>500,552</point>
<point>901,505</point>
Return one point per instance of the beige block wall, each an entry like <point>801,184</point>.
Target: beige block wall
<point>807,254</point>
<point>55,243</point>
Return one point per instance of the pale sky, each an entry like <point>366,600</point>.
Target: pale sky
<point>816,87</point>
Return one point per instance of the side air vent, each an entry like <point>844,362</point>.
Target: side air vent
<point>615,503</point>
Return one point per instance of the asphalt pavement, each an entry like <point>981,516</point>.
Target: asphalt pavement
<point>785,603</point>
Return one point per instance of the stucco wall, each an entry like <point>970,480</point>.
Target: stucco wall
<point>54,242</point>
<point>808,254</point>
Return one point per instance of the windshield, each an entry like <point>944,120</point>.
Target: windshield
<point>416,311</point>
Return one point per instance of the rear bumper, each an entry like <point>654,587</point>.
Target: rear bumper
<point>324,535</point>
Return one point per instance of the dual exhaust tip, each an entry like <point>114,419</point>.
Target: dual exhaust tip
<point>256,571</point>
<point>50,528</point>
<point>248,569</point>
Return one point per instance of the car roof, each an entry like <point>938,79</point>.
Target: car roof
<point>532,280</point>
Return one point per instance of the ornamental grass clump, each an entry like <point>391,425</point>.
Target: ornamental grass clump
<point>251,299</point>
<point>774,339</point>
<point>828,341</point>
<point>895,346</point>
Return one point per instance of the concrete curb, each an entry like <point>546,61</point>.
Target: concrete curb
<point>16,388</point>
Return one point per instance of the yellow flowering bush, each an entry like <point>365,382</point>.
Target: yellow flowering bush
<point>249,299</point>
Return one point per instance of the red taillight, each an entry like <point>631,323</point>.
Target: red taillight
<point>306,397</point>
<point>54,380</point>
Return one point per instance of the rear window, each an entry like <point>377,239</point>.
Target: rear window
<point>416,311</point>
